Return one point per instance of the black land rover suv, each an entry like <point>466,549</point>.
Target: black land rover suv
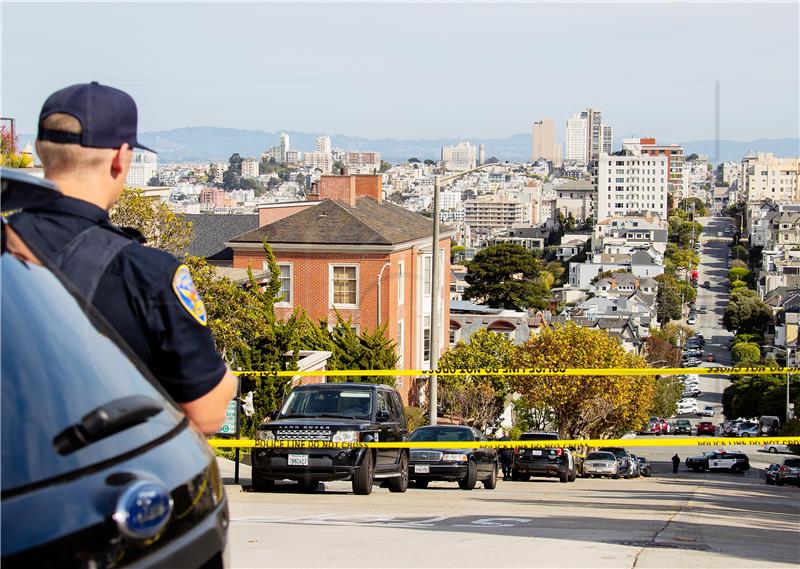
<point>99,468</point>
<point>337,412</point>
<point>555,461</point>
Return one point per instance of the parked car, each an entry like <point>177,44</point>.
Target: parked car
<point>623,458</point>
<point>692,353</point>
<point>600,464</point>
<point>706,284</point>
<point>692,320</point>
<point>691,392</point>
<point>789,472</point>
<point>746,429</point>
<point>733,461</point>
<point>666,429</point>
<point>706,428</point>
<point>554,461</point>
<point>635,472</point>
<point>774,449</point>
<point>336,412</point>
<point>699,337</point>
<point>683,427</point>
<point>644,466</point>
<point>708,411</point>
<point>465,466</point>
<point>90,440</point>
<point>653,426</point>
<point>769,425</point>
<point>771,474</point>
<point>688,408</point>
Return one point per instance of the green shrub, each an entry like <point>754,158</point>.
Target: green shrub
<point>415,417</point>
<point>746,353</point>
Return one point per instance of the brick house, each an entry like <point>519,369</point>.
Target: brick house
<point>348,250</point>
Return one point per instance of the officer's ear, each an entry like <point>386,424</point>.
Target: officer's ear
<point>121,161</point>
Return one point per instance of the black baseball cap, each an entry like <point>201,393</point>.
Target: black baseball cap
<point>107,115</point>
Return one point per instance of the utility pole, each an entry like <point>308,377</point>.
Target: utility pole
<point>433,393</point>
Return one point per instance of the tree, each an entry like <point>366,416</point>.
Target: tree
<point>337,168</point>
<point>384,166</point>
<point>506,275</point>
<point>739,252</point>
<point>163,228</point>
<point>683,259</point>
<point>696,203</point>
<point>668,299</point>
<point>660,352</point>
<point>9,157</point>
<point>530,416</point>
<point>745,353</point>
<point>457,253</point>
<point>666,395</point>
<point>492,160</point>
<point>476,400</point>
<point>746,312</point>
<point>741,274</point>
<point>413,160</point>
<point>753,396</point>
<point>584,406</point>
<point>589,222</point>
<point>429,162</point>
<point>570,223</point>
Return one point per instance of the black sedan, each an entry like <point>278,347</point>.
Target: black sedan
<point>467,466</point>
<point>645,467</point>
<point>771,474</point>
<point>736,462</point>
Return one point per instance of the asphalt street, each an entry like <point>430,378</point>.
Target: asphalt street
<point>685,520</point>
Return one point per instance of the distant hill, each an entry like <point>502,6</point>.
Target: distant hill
<point>205,144</point>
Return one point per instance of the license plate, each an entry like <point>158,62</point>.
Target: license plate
<point>422,469</point>
<point>298,460</point>
<point>536,453</point>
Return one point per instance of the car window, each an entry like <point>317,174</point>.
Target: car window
<point>794,462</point>
<point>398,405</point>
<point>600,456</point>
<point>356,403</point>
<point>56,369</point>
<point>385,405</point>
<point>444,434</point>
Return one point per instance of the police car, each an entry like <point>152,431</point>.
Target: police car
<point>732,461</point>
<point>99,467</point>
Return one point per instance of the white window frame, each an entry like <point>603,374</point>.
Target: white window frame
<point>427,268</point>
<point>401,282</point>
<point>331,303</point>
<point>426,327</point>
<point>291,283</point>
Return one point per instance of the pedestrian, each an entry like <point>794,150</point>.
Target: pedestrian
<point>676,461</point>
<point>85,142</point>
<point>506,456</point>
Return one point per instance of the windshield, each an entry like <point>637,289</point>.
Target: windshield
<point>347,403</point>
<point>442,434</point>
<point>538,437</point>
<point>56,369</point>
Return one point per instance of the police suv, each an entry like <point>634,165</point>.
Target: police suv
<point>732,461</point>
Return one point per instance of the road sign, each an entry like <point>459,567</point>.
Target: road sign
<point>229,427</point>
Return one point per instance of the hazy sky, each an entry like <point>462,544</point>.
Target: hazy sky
<point>418,70</point>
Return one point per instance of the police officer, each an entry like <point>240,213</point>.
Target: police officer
<point>85,142</point>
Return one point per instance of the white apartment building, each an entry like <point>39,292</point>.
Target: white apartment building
<point>673,152</point>
<point>323,144</point>
<point>249,168</point>
<point>322,157</point>
<point>731,172</point>
<point>766,177</point>
<point>576,139</point>
<point>608,139</point>
<point>292,156</point>
<point>143,168</point>
<point>460,157</point>
<point>450,199</point>
<point>490,214</point>
<point>629,182</point>
<point>283,149</point>
<point>576,197</point>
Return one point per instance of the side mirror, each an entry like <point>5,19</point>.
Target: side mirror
<point>274,415</point>
<point>382,416</point>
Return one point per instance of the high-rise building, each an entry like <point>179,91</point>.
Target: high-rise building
<point>674,154</point>
<point>323,144</point>
<point>576,139</point>
<point>322,157</point>
<point>558,158</point>
<point>459,157</point>
<point>765,176</point>
<point>283,148</point>
<point>608,139</point>
<point>630,181</point>
<point>481,154</point>
<point>143,168</point>
<point>594,134</point>
<point>362,162</point>
<point>488,214</point>
<point>544,143</point>
<point>249,168</point>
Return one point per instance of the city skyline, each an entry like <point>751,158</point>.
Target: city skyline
<point>503,72</point>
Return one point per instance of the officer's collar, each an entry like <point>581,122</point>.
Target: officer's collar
<point>76,207</point>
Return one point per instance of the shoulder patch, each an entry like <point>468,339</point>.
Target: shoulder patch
<point>187,294</point>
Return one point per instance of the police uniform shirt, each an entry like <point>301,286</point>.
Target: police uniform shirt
<point>144,293</point>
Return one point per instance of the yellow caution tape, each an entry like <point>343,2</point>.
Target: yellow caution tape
<point>640,442</point>
<point>531,371</point>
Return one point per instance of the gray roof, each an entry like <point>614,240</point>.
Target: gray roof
<point>211,231</point>
<point>467,306</point>
<point>335,223</point>
<point>576,185</point>
<point>642,258</point>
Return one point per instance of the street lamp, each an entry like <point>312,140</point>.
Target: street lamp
<point>788,350</point>
<point>438,180</point>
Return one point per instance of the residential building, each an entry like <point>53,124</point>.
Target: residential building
<point>250,168</point>
<point>292,156</point>
<point>353,253</point>
<point>214,198</point>
<point>731,172</point>
<point>362,162</point>
<point>642,263</point>
<point>482,154</point>
<point>629,181</point>
<point>323,144</point>
<point>544,142</point>
<point>766,177</point>
<point>283,149</point>
<point>576,139</point>
<point>675,159</point>
<point>628,233</point>
<point>459,157</point>
<point>533,238</point>
<point>594,135</point>
<point>558,155</point>
<point>490,214</point>
<point>143,167</point>
<point>210,234</point>
<point>576,197</point>
<point>466,318</point>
